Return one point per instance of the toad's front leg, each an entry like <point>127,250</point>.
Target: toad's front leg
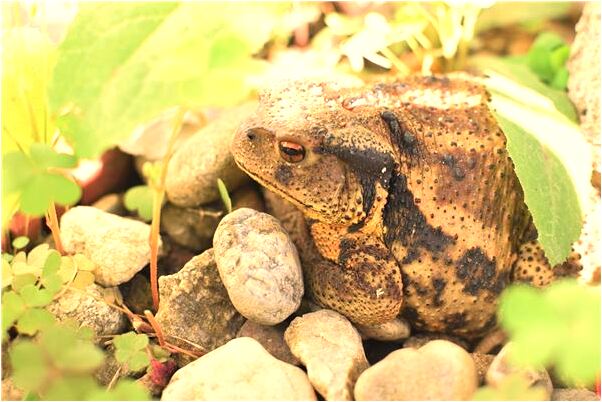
<point>363,282</point>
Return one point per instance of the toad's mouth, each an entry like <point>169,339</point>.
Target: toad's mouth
<point>275,189</point>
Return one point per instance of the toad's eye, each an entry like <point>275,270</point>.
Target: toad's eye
<point>291,151</point>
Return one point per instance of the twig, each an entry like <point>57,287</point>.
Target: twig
<point>53,224</point>
<point>114,379</point>
<point>151,320</point>
<point>158,194</point>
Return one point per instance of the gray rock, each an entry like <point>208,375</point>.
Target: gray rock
<point>240,370</point>
<point>194,227</point>
<point>194,305</point>
<point>259,266</point>
<point>271,338</point>
<point>394,330</point>
<point>418,341</point>
<point>331,349</point>
<point>574,394</point>
<point>501,368</point>
<point>88,308</point>
<point>191,227</point>
<point>440,370</point>
<point>118,246</point>
<point>137,294</point>
<point>203,158</point>
<point>584,75</point>
<point>111,203</point>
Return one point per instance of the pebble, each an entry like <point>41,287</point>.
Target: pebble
<point>418,341</point>
<point>194,305</point>
<point>501,368</point>
<point>574,394</point>
<point>271,338</point>
<point>240,370</point>
<point>193,228</point>
<point>205,157</point>
<point>88,308</point>
<point>118,246</point>
<point>390,331</point>
<point>439,370</point>
<point>331,349</point>
<point>259,266</point>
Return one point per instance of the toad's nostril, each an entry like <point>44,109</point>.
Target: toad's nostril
<point>251,135</point>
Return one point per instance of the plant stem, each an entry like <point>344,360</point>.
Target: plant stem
<point>158,195</point>
<point>151,320</point>
<point>53,224</point>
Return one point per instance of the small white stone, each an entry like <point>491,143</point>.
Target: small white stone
<point>440,370</point>
<point>331,349</point>
<point>259,266</point>
<point>239,370</point>
<point>118,246</point>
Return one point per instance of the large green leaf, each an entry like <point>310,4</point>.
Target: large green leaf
<point>552,162</point>
<point>122,64</point>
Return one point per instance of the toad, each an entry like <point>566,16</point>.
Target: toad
<point>410,198</point>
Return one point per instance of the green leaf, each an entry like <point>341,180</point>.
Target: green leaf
<point>122,64</point>
<point>512,388</point>
<point>140,199</point>
<point>68,351</point>
<point>28,58</point>
<point>52,264</point>
<point>561,79</point>
<point>34,320</point>
<point>22,280</point>
<point>520,74</point>
<point>13,307</point>
<point>45,157</point>
<point>130,349</point>
<point>20,242</point>
<point>35,297</point>
<point>72,388</point>
<point>542,144</point>
<point>29,368</point>
<point>52,283</point>
<point>45,188</point>
<point>7,274</point>
<point>125,390</point>
<point>223,192</point>
<point>560,327</point>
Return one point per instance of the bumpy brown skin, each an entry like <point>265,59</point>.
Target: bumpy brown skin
<point>406,182</point>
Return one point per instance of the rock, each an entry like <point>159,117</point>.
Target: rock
<point>175,259</point>
<point>118,246</point>
<point>584,75</point>
<point>191,227</point>
<point>501,368</point>
<point>482,362</point>
<point>271,338</point>
<point>203,158</point>
<point>105,373</point>
<point>418,341</point>
<point>137,294</point>
<point>573,394</point>
<point>194,227</point>
<point>194,305</point>
<point>88,308</point>
<point>331,349</point>
<point>440,370</point>
<point>111,203</point>
<point>240,370</point>
<point>394,330</point>
<point>259,266</point>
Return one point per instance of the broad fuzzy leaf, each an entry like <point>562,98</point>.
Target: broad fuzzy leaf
<point>122,64</point>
